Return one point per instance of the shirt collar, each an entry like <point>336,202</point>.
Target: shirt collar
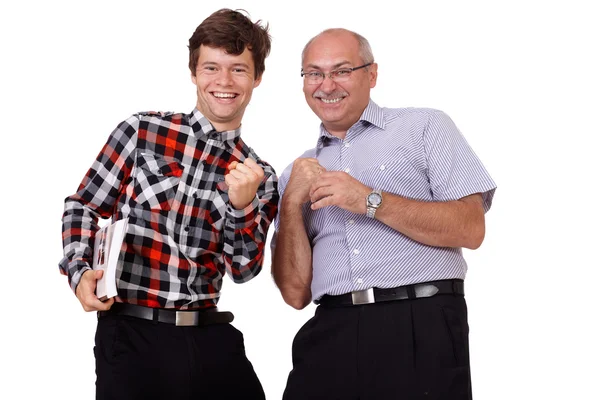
<point>202,127</point>
<point>372,114</point>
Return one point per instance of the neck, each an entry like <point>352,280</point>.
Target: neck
<point>341,134</point>
<point>223,127</point>
<point>339,130</point>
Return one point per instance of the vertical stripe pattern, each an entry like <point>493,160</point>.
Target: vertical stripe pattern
<point>416,153</point>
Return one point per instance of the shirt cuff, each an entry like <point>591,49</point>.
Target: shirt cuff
<point>74,270</point>
<point>240,219</point>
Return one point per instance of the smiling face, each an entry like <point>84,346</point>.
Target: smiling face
<point>338,104</point>
<point>224,84</point>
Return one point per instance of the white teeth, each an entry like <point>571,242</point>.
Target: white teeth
<point>224,95</point>
<point>329,101</point>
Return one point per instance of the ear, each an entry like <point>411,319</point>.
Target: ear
<point>193,76</point>
<point>257,81</point>
<point>373,75</point>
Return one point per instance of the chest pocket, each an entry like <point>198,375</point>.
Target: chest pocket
<point>399,177</point>
<point>156,179</point>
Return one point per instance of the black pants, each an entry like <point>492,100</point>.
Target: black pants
<point>139,359</point>
<point>406,349</point>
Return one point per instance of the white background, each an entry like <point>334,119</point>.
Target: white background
<point>519,78</point>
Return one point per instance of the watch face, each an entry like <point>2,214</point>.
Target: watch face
<point>374,199</point>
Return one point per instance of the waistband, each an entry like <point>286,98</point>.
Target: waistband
<point>203,317</point>
<point>377,295</point>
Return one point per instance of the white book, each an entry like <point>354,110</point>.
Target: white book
<point>107,249</point>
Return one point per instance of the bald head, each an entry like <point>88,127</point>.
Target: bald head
<point>364,48</point>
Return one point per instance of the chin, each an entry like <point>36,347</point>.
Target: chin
<point>329,116</point>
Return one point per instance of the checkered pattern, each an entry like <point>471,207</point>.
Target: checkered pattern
<point>165,172</point>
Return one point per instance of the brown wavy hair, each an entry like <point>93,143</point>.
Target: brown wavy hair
<point>234,32</point>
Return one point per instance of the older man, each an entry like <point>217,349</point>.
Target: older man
<point>371,226</point>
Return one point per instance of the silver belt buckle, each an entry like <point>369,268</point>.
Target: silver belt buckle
<point>363,297</point>
<point>186,318</point>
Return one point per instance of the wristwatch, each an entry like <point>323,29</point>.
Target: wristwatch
<point>374,200</point>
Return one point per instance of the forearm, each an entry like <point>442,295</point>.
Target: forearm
<point>244,238</point>
<point>292,256</point>
<point>79,225</point>
<point>96,198</point>
<point>458,223</point>
<point>245,232</point>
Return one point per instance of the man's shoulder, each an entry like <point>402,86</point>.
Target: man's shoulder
<point>408,111</point>
<point>170,116</point>
<point>416,117</point>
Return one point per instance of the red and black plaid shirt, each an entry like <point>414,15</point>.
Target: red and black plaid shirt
<point>165,172</point>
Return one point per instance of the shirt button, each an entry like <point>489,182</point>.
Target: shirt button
<point>351,221</point>
<point>382,167</point>
<point>195,195</point>
<point>187,229</point>
<point>356,251</point>
<point>346,144</point>
<point>347,170</point>
<point>359,281</point>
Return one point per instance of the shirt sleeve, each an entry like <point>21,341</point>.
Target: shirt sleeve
<point>96,198</point>
<point>245,231</point>
<point>454,169</point>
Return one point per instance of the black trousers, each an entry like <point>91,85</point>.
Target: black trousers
<point>405,349</point>
<point>139,359</point>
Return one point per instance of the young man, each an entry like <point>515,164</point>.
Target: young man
<point>370,227</point>
<point>199,203</point>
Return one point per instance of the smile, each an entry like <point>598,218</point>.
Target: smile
<point>331,101</point>
<point>221,95</point>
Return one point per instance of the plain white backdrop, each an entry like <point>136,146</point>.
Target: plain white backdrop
<point>519,78</point>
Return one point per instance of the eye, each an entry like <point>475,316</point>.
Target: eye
<point>342,73</point>
<point>209,69</point>
<point>239,70</point>
<point>314,74</point>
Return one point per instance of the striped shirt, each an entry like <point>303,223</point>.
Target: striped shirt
<point>415,153</point>
<point>165,172</point>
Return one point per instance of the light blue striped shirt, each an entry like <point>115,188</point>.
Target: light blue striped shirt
<point>416,153</point>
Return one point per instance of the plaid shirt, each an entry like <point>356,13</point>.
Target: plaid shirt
<point>165,172</point>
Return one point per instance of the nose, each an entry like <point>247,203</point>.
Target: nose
<point>225,77</point>
<point>328,85</point>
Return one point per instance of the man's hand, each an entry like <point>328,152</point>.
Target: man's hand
<point>86,292</point>
<point>337,188</point>
<point>305,173</point>
<point>243,181</point>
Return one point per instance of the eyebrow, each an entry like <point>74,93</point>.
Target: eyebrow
<point>232,65</point>
<point>336,66</point>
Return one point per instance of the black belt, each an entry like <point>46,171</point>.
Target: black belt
<point>209,316</point>
<point>376,295</point>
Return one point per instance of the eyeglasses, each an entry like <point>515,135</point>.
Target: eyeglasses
<point>337,75</point>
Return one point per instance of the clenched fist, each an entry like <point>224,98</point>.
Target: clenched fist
<point>243,181</point>
<point>305,172</point>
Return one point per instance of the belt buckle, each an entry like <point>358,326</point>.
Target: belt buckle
<point>363,297</point>
<point>186,318</point>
